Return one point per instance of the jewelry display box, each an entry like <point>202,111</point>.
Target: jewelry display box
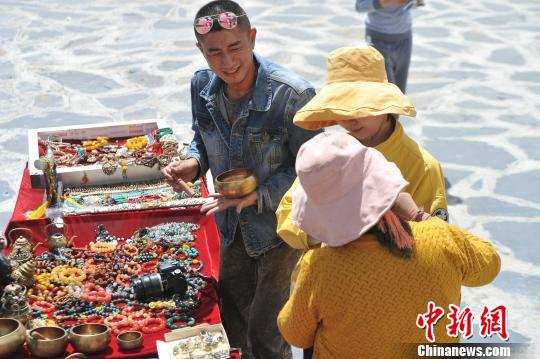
<point>175,342</point>
<point>93,174</point>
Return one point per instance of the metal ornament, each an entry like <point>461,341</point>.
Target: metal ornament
<point>109,167</point>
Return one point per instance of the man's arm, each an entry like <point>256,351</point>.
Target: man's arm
<point>272,190</point>
<point>197,150</point>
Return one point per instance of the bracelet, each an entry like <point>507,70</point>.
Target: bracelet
<point>130,250</point>
<point>138,317</point>
<point>70,275</point>
<point>133,268</point>
<point>114,320</point>
<point>102,247</point>
<point>68,318</point>
<point>188,322</point>
<point>123,326</point>
<point>93,318</point>
<point>197,269</point>
<point>44,306</point>
<point>161,305</point>
<point>153,325</point>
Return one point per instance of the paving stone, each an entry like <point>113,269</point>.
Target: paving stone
<point>487,206</point>
<point>458,132</point>
<point>144,78</point>
<point>52,119</point>
<point>489,93</point>
<point>45,101</point>
<point>83,81</point>
<point>172,65</point>
<point>518,283</point>
<point>529,76</point>
<point>520,186</point>
<point>507,56</point>
<point>476,105</point>
<point>118,102</point>
<point>469,153</point>
<point>531,145</point>
<point>7,70</point>
<point>521,237</point>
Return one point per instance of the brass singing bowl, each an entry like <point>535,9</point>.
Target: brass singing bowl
<point>12,337</point>
<point>236,183</point>
<point>129,340</point>
<point>90,338</point>
<point>46,342</point>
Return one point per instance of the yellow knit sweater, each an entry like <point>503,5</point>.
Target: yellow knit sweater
<point>360,301</point>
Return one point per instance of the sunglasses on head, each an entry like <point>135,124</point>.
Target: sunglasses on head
<point>227,20</point>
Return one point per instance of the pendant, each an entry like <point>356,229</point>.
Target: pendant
<point>109,167</point>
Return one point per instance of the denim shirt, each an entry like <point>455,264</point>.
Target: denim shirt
<point>263,138</point>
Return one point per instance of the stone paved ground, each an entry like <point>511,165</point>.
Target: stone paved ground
<point>475,79</point>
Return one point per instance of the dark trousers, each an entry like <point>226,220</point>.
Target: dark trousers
<point>252,292</point>
<point>397,58</point>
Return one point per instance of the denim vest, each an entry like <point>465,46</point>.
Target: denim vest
<point>263,138</point>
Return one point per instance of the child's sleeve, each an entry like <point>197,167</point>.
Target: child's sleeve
<point>287,228</point>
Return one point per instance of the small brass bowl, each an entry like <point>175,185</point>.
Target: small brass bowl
<point>129,340</point>
<point>12,337</point>
<point>48,342</point>
<point>90,338</point>
<point>236,183</point>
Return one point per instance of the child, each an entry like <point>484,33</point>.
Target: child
<point>358,97</point>
<point>389,30</point>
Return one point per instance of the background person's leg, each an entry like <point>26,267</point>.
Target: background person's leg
<point>273,288</point>
<point>402,60</point>
<point>387,50</point>
<point>237,281</point>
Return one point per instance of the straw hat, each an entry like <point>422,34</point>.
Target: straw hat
<point>356,86</point>
<point>345,188</point>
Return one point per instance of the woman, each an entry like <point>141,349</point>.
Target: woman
<point>359,295</point>
<point>358,97</point>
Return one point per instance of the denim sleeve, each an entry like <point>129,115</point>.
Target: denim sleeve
<point>368,5</point>
<point>196,147</point>
<point>270,192</point>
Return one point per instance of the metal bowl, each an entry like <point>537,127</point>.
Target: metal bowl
<point>236,183</point>
<point>46,342</point>
<point>129,340</point>
<point>90,338</point>
<point>12,337</point>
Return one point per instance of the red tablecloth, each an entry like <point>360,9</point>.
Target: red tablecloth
<point>124,224</point>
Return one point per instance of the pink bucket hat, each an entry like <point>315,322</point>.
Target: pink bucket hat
<point>345,188</point>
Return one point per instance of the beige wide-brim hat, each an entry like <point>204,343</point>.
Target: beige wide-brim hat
<point>356,86</point>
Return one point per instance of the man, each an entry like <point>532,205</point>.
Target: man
<point>242,110</point>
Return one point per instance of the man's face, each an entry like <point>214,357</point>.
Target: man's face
<point>229,53</point>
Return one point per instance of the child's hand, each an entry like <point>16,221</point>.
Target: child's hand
<point>406,209</point>
<point>393,3</point>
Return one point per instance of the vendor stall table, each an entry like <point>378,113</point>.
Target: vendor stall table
<point>124,224</point>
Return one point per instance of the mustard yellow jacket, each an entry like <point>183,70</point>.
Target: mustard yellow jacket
<point>360,301</point>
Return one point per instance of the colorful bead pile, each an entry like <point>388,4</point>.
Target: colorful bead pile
<point>95,285</point>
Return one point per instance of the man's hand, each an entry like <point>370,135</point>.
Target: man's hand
<point>221,203</point>
<point>176,173</point>
<point>393,3</point>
